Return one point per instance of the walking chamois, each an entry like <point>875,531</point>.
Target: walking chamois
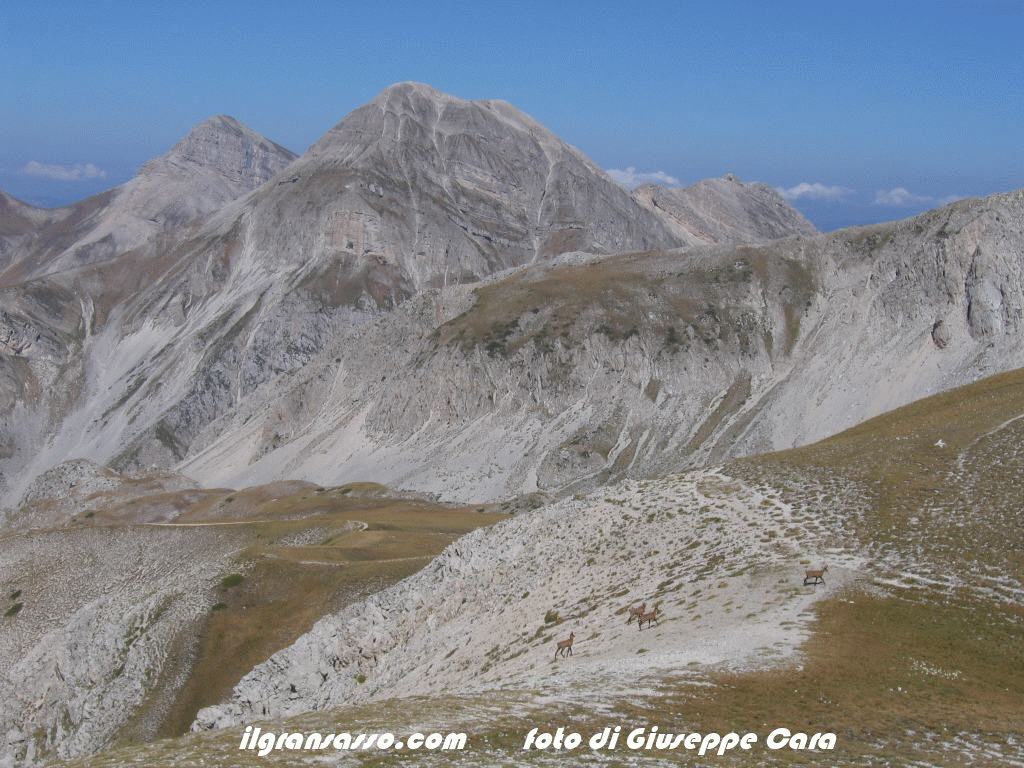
<point>815,576</point>
<point>565,646</point>
<point>650,616</point>
<point>636,611</point>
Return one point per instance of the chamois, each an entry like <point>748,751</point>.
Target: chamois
<point>815,576</point>
<point>565,646</point>
<point>635,611</point>
<point>650,616</point>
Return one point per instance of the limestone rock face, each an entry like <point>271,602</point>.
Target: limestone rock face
<point>577,371</point>
<point>725,210</point>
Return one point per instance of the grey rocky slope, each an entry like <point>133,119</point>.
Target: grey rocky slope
<point>111,614</point>
<point>64,271</point>
<point>725,210</point>
<point>914,512</point>
<point>576,370</point>
<point>18,222</point>
<point>586,369</point>
<point>919,503</point>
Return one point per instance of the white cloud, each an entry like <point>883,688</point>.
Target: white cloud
<point>631,177</point>
<point>76,172</point>
<point>807,190</point>
<point>900,197</point>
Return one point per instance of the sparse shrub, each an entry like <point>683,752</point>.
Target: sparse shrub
<point>551,617</point>
<point>360,678</point>
<point>15,594</point>
<point>231,580</point>
<point>219,606</point>
<point>14,610</point>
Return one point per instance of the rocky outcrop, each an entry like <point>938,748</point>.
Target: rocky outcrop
<point>107,616</point>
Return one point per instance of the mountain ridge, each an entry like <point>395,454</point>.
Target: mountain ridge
<point>252,348</point>
<point>726,210</point>
<point>218,160</point>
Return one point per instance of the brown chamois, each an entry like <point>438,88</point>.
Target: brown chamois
<point>565,646</point>
<point>636,611</point>
<point>650,616</point>
<point>815,576</point>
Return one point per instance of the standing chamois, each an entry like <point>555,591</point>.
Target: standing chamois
<point>636,611</point>
<point>650,616</point>
<point>815,576</point>
<point>565,646</point>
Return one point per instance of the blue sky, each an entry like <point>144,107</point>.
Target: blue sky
<point>842,104</point>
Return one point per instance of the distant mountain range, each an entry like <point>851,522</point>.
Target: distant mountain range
<point>442,295</point>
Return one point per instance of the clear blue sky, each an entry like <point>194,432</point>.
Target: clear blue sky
<point>856,97</point>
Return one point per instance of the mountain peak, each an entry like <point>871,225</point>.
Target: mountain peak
<point>413,86</point>
<point>229,147</point>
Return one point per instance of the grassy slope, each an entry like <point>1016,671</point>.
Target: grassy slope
<point>922,663</point>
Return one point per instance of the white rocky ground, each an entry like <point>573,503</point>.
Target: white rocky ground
<point>106,612</point>
<point>80,488</point>
<point>720,558</point>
